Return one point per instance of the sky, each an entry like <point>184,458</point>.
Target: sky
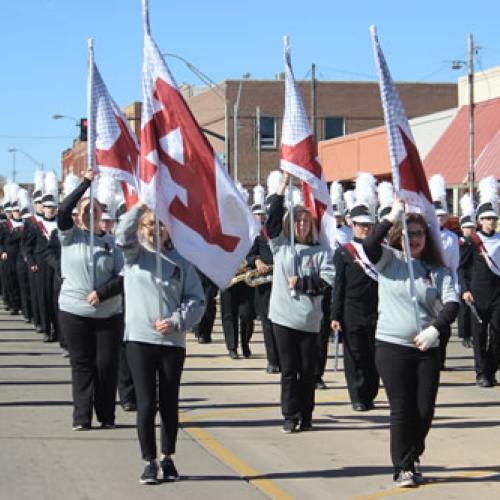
<point>44,52</point>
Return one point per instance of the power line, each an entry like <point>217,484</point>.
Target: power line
<point>37,137</point>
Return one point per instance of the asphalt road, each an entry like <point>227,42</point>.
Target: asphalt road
<point>230,445</point>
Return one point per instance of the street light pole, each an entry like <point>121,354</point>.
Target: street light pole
<point>470,70</point>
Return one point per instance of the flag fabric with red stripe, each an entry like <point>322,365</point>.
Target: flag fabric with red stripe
<point>116,147</point>
<point>408,174</point>
<point>182,180</point>
<point>299,156</point>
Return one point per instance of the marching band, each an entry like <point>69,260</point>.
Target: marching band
<point>300,298</point>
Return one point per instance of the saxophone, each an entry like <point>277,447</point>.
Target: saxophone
<point>253,278</point>
<point>240,275</point>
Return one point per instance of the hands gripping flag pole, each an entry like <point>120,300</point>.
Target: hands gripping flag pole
<point>299,157</point>
<point>181,179</point>
<point>408,174</point>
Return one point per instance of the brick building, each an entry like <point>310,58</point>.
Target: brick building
<point>342,108</point>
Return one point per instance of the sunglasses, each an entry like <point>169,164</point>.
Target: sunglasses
<point>488,218</point>
<point>416,234</point>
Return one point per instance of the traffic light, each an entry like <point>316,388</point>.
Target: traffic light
<point>83,129</point>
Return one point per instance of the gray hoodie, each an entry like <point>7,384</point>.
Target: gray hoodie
<point>181,290</point>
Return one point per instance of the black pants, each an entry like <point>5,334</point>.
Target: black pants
<point>24,289</point>
<point>93,345</point>
<point>204,328</point>
<point>486,337</point>
<point>237,315</point>
<point>297,353</point>
<point>155,366</point>
<point>262,295</point>
<point>11,285</point>
<point>411,380</point>
<point>464,321</point>
<point>34,298</point>
<point>359,363</point>
<point>43,302</point>
<point>126,389</point>
<point>444,338</point>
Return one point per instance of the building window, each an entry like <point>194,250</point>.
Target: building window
<point>267,132</point>
<point>334,127</point>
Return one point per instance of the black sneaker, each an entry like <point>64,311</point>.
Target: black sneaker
<point>289,426</point>
<point>306,424</point>
<point>150,474</point>
<point>320,384</point>
<point>169,471</point>
<point>417,473</point>
<point>484,382</point>
<point>233,354</point>
<point>272,368</point>
<point>247,352</point>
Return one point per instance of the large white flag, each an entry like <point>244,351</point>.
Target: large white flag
<point>116,147</point>
<point>181,179</point>
<point>408,173</point>
<point>299,156</point>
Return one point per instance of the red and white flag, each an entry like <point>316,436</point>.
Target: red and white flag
<point>182,180</point>
<point>408,174</point>
<point>116,147</point>
<point>299,156</point>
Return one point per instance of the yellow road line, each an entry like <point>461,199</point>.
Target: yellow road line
<point>245,470</point>
<point>434,482</point>
<point>226,456</point>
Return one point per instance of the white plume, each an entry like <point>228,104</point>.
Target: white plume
<point>51,185</point>
<point>106,193</point>
<point>38,181</point>
<point>23,198</point>
<point>259,194</point>
<point>11,189</point>
<point>71,182</point>
<point>337,195</point>
<point>466,205</point>
<point>437,187</point>
<point>385,194</point>
<point>350,199</point>
<point>488,191</point>
<point>366,189</point>
<point>243,192</point>
<point>273,182</point>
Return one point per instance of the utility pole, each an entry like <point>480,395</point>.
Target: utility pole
<point>235,120</point>
<point>257,141</point>
<point>470,71</point>
<point>313,102</point>
<point>13,150</point>
<point>227,144</point>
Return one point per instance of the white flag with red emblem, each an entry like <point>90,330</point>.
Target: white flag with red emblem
<point>299,156</point>
<point>181,179</point>
<point>408,174</point>
<point>116,147</point>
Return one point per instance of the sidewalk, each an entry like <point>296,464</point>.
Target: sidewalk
<point>230,444</point>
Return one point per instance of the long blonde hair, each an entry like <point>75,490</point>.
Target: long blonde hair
<point>312,238</point>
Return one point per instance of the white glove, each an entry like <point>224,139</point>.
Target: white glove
<point>426,338</point>
<point>398,208</point>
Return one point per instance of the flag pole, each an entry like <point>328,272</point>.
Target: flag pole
<point>91,154</point>
<point>159,274</point>
<point>293,292</point>
<point>395,171</point>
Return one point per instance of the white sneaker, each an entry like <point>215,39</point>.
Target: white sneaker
<point>406,479</point>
